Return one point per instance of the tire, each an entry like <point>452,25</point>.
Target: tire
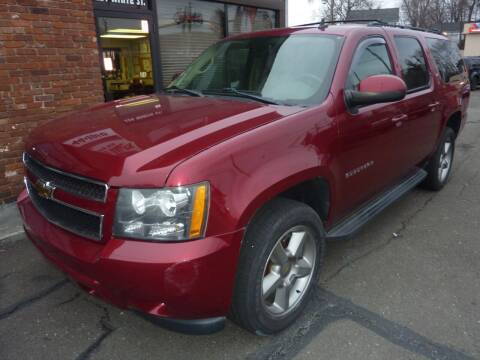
<point>440,165</point>
<point>474,83</point>
<point>275,231</point>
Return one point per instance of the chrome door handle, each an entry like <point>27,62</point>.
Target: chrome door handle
<point>433,105</point>
<point>399,118</point>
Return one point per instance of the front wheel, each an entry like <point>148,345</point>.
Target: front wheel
<point>440,165</point>
<point>279,265</point>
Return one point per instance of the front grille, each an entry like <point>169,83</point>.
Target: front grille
<point>75,220</point>
<point>84,188</point>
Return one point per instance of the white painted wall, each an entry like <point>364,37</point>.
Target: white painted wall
<point>472,45</point>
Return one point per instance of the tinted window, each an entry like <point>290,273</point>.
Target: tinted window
<point>447,57</point>
<point>412,61</point>
<point>369,60</point>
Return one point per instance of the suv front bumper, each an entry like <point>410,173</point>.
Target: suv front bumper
<point>190,282</point>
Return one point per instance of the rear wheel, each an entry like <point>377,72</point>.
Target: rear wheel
<point>440,166</point>
<point>279,265</point>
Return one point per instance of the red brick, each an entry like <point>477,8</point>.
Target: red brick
<point>39,10</point>
<point>49,66</point>
<point>26,52</point>
<point>21,37</point>
<point>14,44</point>
<point>73,58</point>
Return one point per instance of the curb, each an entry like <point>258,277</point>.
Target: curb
<point>11,226</point>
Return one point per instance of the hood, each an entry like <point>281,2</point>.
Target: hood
<point>138,141</point>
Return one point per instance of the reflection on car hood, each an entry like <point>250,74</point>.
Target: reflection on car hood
<point>145,136</point>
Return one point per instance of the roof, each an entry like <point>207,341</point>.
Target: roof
<point>391,15</point>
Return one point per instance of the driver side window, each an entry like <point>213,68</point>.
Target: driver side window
<point>371,58</point>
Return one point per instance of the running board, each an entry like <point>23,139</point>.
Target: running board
<point>349,226</point>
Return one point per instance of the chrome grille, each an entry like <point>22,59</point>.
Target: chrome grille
<point>78,221</point>
<point>82,187</point>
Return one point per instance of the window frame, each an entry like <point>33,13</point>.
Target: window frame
<point>361,46</point>
<point>428,85</point>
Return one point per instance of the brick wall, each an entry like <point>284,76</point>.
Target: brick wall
<point>49,65</point>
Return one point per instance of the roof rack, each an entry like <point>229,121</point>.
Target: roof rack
<point>407,27</point>
<point>370,22</point>
<point>323,24</point>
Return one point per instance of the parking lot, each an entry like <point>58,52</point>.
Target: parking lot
<point>407,287</point>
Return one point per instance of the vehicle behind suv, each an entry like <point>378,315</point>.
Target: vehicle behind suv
<point>472,63</point>
<point>217,197</point>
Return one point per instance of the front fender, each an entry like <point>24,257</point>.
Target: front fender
<point>257,196</point>
<point>247,171</point>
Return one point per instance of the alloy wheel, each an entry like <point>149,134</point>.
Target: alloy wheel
<point>445,162</point>
<point>288,271</point>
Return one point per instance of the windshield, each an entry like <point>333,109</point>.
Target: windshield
<point>289,70</point>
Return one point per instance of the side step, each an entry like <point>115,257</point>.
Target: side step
<point>350,225</point>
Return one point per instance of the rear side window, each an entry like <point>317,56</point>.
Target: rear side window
<point>412,61</point>
<point>447,57</point>
<point>370,59</point>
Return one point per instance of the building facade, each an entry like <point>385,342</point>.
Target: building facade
<point>57,56</point>
<point>471,32</point>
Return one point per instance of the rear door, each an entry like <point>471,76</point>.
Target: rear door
<point>452,77</point>
<point>421,106</point>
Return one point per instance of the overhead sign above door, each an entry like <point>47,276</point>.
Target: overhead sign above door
<point>122,4</point>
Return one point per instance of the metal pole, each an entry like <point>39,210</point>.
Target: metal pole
<point>287,23</point>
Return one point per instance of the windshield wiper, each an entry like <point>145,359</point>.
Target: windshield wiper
<point>183,91</point>
<point>245,95</point>
<point>250,96</point>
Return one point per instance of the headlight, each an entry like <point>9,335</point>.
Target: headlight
<point>168,214</point>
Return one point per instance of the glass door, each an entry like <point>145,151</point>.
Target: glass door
<point>126,56</point>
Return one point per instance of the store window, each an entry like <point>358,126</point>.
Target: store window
<point>242,19</point>
<point>126,57</point>
<point>186,28</point>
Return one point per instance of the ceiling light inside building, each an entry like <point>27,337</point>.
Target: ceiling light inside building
<point>144,29</point>
<point>108,64</point>
<point>127,31</point>
<point>122,36</point>
<point>145,26</point>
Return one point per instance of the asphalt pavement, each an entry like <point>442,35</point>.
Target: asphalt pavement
<point>407,287</point>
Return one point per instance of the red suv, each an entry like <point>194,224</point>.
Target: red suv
<point>217,196</point>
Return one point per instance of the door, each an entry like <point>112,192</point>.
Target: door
<point>126,56</point>
<point>423,121</point>
<point>369,141</point>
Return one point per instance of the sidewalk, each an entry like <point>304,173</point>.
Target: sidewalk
<point>10,223</point>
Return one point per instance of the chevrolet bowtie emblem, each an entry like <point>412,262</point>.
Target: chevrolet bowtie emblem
<point>44,189</point>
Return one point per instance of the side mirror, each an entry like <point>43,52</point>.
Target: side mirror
<point>376,89</point>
